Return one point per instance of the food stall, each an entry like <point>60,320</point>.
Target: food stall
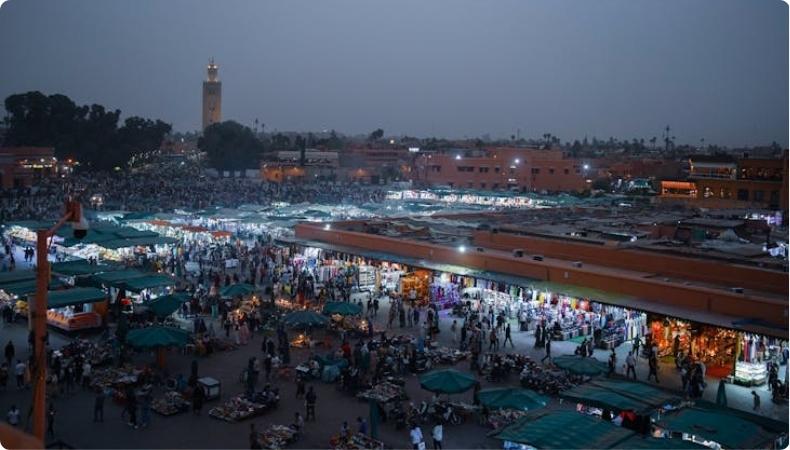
<point>277,437</point>
<point>170,404</point>
<point>356,441</point>
<point>73,309</point>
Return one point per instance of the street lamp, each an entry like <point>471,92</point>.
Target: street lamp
<point>38,314</point>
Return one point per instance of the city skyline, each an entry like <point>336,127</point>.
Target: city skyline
<point>711,71</point>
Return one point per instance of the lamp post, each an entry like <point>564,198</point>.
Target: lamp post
<point>38,314</point>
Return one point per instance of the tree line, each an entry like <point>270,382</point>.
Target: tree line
<point>90,134</point>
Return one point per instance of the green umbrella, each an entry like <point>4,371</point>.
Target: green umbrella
<point>304,319</point>
<point>153,337</point>
<point>235,290</point>
<point>512,398</point>
<point>342,308</point>
<point>167,304</point>
<point>580,366</point>
<point>447,381</point>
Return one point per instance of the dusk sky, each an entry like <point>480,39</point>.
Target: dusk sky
<point>712,69</point>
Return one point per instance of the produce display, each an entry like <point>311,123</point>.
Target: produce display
<point>356,441</point>
<point>503,417</point>
<point>113,377</point>
<point>236,408</point>
<point>170,404</point>
<point>446,355</point>
<point>383,392</point>
<point>277,437</point>
<point>75,321</point>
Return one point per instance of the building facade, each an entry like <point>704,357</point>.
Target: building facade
<point>212,96</point>
<point>522,169</point>
<point>728,182</point>
<point>22,166</point>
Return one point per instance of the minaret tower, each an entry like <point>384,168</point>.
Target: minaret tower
<point>212,96</point>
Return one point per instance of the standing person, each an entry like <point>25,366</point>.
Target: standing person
<point>310,400</point>
<point>548,351</point>
<point>254,442</point>
<point>98,405</point>
<point>197,399</point>
<point>13,416</point>
<point>652,363</point>
<point>756,399</point>
<point>300,387</point>
<point>630,362</point>
<point>145,410</point>
<point>51,419</point>
<point>637,344</point>
<point>362,426</point>
<point>437,433</point>
<point>612,363</point>
<point>721,394</point>
<point>416,436</point>
<point>19,370</point>
<point>10,352</point>
<point>508,337</point>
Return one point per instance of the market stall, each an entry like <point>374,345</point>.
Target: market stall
<point>74,309</point>
<point>277,437</point>
<point>356,441</point>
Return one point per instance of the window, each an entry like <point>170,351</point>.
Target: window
<point>495,186</point>
<point>483,169</point>
<point>482,185</point>
<point>707,193</point>
<point>496,169</point>
<point>759,196</point>
<point>743,195</point>
<point>774,198</point>
<point>452,185</point>
<point>725,193</point>
<point>535,171</point>
<point>551,171</point>
<point>567,171</point>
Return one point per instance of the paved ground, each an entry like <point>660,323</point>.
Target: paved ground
<point>74,419</point>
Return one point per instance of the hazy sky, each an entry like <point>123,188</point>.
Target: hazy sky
<point>713,69</point>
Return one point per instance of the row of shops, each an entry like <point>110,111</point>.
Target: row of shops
<point>726,352</point>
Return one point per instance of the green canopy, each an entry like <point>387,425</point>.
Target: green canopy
<point>81,267</point>
<point>153,337</point>
<point>148,282</point>
<point>236,290</point>
<point>28,287</point>
<point>447,381</point>
<point>304,319</point>
<point>637,442</point>
<point>342,308</point>
<point>591,395</point>
<point>580,366</point>
<point>726,429</point>
<point>647,393</point>
<point>137,216</point>
<point>17,276</point>
<point>564,430</point>
<point>167,304</point>
<point>75,296</point>
<point>512,398</point>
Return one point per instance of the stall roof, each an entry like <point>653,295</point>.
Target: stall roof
<point>17,276</point>
<point>134,242</point>
<point>118,276</point>
<point>82,267</point>
<point>727,429</point>
<point>637,442</point>
<point>148,282</point>
<point>59,299</point>
<point>27,287</point>
<point>647,393</point>
<point>564,430</point>
<point>599,397</point>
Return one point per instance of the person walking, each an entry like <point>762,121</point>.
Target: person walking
<point>508,337</point>
<point>548,351</point>
<point>198,396</point>
<point>51,419</point>
<point>300,387</point>
<point>756,400</point>
<point>254,442</point>
<point>98,405</point>
<point>362,426</point>
<point>438,434</point>
<point>630,363</point>
<point>721,394</point>
<point>652,364</point>
<point>310,400</point>
<point>10,352</point>
<point>416,437</point>
<point>612,364</point>
<point>19,370</point>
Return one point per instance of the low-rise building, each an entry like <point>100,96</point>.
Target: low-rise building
<point>22,166</point>
<point>523,169</point>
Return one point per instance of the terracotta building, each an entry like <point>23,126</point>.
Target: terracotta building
<point>724,181</point>
<point>522,169</point>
